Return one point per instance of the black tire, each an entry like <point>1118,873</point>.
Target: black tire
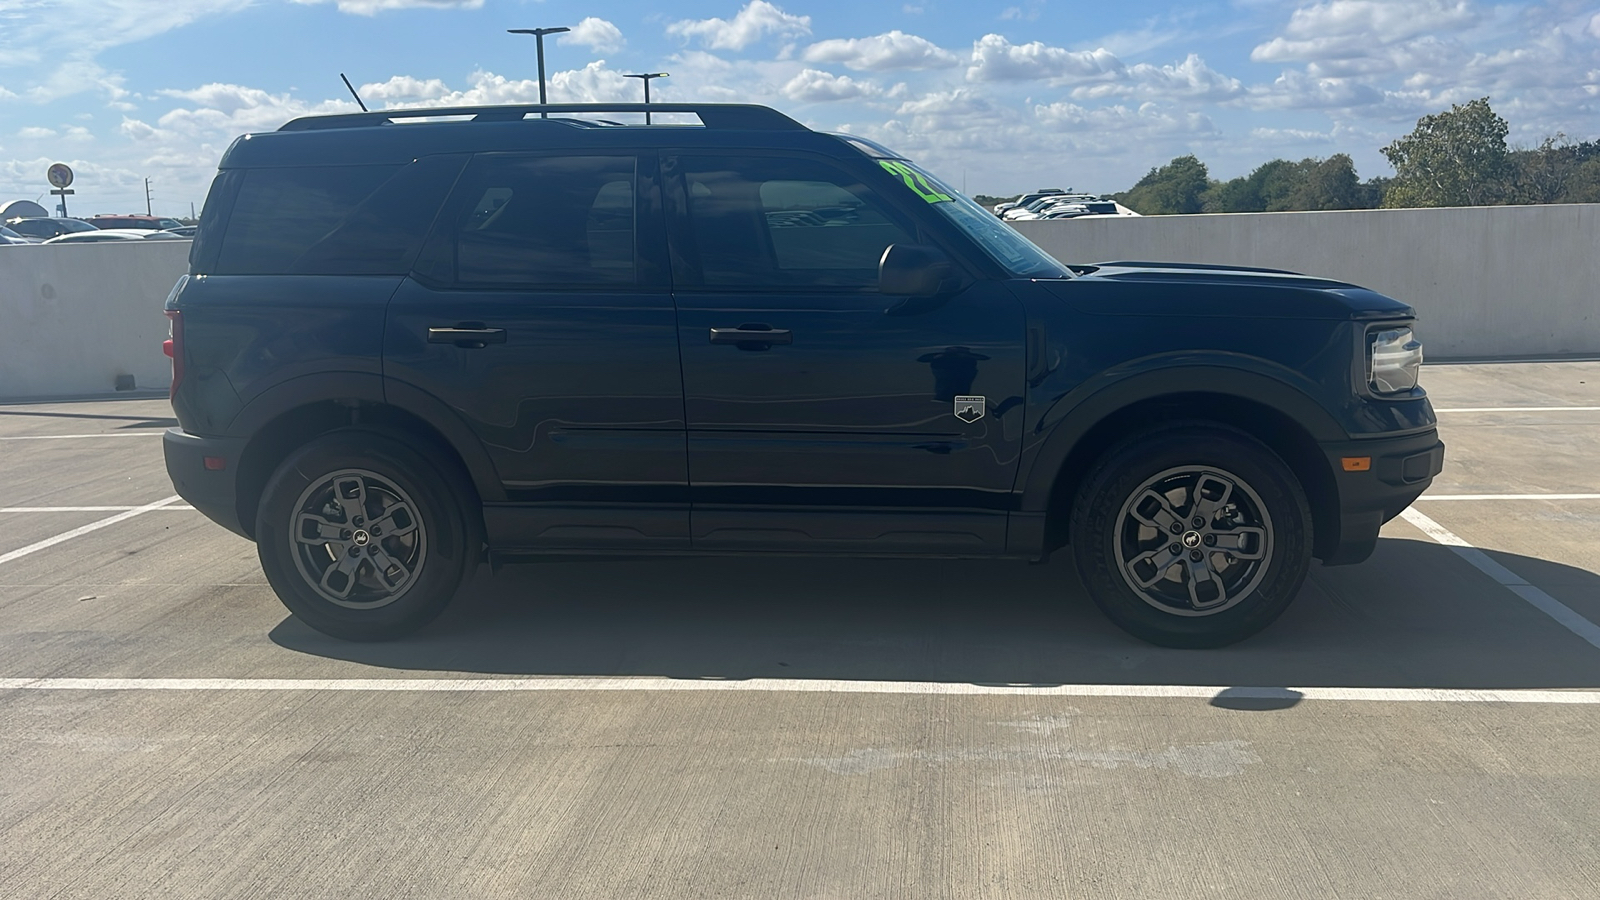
<point>313,519</point>
<point>1253,548</point>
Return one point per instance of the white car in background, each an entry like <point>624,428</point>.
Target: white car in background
<point>115,234</point>
<point>1072,209</point>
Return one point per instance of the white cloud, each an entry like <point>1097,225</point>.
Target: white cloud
<point>77,133</point>
<point>402,88</point>
<point>373,7</point>
<point>1122,122</point>
<point>57,42</point>
<point>34,132</point>
<point>1191,79</point>
<point>813,86</point>
<point>996,59</point>
<point>1349,29</point>
<point>1297,90</point>
<point>894,50</point>
<point>596,34</point>
<point>757,20</point>
<point>136,129</point>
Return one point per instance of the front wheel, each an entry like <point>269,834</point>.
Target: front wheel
<point>1192,536</point>
<point>364,537</point>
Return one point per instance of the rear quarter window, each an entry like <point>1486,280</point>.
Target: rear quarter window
<point>333,220</point>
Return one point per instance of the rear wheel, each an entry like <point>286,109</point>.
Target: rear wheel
<point>1192,536</point>
<point>364,537</point>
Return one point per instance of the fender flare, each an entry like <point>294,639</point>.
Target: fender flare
<point>294,393</point>
<point>1075,414</point>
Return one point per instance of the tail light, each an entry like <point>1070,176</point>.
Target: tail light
<point>173,347</point>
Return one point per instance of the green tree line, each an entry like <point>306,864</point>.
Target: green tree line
<point>1458,157</point>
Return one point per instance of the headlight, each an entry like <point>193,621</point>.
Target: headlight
<point>1394,359</point>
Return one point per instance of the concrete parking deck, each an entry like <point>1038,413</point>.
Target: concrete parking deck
<point>1422,725</point>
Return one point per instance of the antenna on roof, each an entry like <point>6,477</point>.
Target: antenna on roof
<point>353,92</point>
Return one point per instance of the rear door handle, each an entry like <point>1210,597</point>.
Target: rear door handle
<point>468,335</point>
<point>754,336</point>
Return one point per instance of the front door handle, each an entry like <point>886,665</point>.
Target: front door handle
<point>467,335</point>
<point>752,337</point>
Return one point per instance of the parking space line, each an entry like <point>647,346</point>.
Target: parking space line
<point>799,686</point>
<point>1509,497</point>
<point>85,529</point>
<point>1513,582</point>
<point>73,437</point>
<point>60,509</point>
<point>1514,409</point>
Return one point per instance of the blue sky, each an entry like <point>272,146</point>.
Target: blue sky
<point>1002,96</point>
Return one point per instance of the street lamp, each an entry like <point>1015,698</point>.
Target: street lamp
<point>646,79</point>
<point>538,34</point>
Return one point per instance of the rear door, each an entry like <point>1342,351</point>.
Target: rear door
<point>540,312</point>
<point>821,414</point>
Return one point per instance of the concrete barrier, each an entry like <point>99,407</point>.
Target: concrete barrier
<point>75,317</point>
<point>1497,281</point>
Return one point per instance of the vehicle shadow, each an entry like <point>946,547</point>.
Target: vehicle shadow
<point>1415,615</point>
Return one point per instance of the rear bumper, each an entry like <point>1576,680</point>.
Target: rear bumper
<point>1401,468</point>
<point>213,492</point>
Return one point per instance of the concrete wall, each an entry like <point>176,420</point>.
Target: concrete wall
<point>1486,281</point>
<point>75,316</point>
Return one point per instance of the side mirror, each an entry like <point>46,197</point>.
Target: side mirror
<point>913,271</point>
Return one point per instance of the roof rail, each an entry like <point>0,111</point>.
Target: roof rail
<point>741,116</point>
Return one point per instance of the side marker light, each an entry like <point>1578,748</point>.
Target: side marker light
<point>1357,463</point>
<point>216,463</point>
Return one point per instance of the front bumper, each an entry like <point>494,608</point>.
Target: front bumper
<point>1401,468</point>
<point>213,492</point>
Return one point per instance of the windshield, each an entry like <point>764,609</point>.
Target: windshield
<point>1019,256</point>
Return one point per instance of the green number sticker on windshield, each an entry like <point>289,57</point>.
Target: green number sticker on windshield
<point>914,180</point>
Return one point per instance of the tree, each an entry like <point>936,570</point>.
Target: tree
<point>1173,189</point>
<point>1452,158</point>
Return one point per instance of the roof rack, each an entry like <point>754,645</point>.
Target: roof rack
<point>739,116</point>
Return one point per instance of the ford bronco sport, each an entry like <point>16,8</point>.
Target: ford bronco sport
<point>514,332</point>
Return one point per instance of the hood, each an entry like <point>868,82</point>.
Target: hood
<point>1191,289</point>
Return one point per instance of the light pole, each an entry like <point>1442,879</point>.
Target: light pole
<point>538,34</point>
<point>646,79</point>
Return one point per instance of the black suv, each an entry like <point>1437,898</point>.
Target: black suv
<point>515,332</point>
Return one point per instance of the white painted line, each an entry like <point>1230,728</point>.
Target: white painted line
<point>85,529</point>
<point>798,686</point>
<point>1517,409</point>
<point>58,509</point>
<point>1509,497</point>
<point>71,437</point>
<point>1513,582</point>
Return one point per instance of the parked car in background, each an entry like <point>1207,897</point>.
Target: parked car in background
<point>1032,209</point>
<point>115,234</point>
<point>146,223</point>
<point>45,229</point>
<point>7,236</point>
<point>1072,209</point>
<point>183,231</point>
<point>1025,199</point>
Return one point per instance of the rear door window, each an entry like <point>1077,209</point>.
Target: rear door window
<point>538,221</point>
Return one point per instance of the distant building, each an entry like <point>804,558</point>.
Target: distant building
<point>21,209</point>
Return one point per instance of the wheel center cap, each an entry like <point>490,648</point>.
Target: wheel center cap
<point>361,538</point>
<point>1191,539</point>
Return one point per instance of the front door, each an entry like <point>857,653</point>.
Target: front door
<point>821,414</point>
<point>540,312</point>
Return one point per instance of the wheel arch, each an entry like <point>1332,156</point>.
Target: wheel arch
<point>276,429</point>
<point>1278,415</point>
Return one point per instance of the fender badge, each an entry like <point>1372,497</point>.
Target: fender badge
<point>969,409</point>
